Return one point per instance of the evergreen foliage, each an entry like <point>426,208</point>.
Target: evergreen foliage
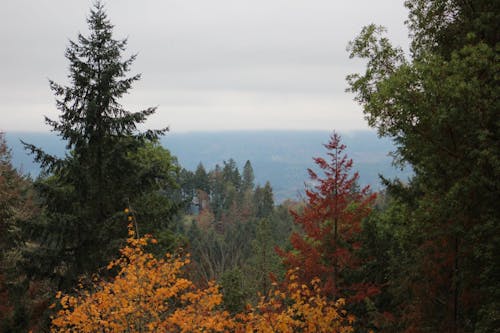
<point>109,163</point>
<point>17,207</point>
<point>264,200</point>
<point>232,231</point>
<point>248,178</point>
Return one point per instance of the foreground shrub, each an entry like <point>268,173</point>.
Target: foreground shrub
<point>152,295</point>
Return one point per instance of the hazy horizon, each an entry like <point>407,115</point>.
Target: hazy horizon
<point>218,65</point>
<point>282,156</point>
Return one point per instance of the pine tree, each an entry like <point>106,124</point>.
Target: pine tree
<point>201,180</point>
<point>100,175</point>
<point>248,177</point>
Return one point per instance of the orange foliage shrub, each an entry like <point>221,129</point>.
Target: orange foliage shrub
<point>147,295</point>
<point>151,295</point>
<point>299,308</point>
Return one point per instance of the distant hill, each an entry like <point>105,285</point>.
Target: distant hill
<point>282,157</point>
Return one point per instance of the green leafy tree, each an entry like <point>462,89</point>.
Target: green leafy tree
<point>389,254</point>
<point>108,165</point>
<point>264,260</point>
<point>233,290</point>
<point>440,106</point>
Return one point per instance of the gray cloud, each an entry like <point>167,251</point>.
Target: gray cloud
<point>219,64</point>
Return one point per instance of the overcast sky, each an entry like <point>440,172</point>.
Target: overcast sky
<point>206,64</point>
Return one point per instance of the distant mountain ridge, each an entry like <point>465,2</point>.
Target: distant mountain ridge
<point>282,157</point>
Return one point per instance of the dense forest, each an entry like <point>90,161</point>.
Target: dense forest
<point>117,236</point>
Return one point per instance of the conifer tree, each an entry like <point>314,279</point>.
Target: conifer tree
<point>331,223</point>
<point>201,180</point>
<point>248,178</point>
<point>16,208</point>
<point>231,174</point>
<point>264,201</point>
<point>85,190</point>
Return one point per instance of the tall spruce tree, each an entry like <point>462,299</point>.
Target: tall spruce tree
<point>248,178</point>
<point>440,105</point>
<point>101,174</point>
<point>201,180</point>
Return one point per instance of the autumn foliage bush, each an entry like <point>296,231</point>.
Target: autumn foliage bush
<point>152,295</point>
<point>298,308</point>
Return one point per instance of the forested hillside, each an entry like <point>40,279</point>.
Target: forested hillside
<point>120,233</point>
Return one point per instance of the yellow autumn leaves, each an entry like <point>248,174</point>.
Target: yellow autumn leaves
<point>152,295</point>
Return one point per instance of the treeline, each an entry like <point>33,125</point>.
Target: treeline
<point>232,227</point>
<point>419,257</point>
<point>64,227</point>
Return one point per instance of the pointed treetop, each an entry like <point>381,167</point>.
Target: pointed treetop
<point>248,182</point>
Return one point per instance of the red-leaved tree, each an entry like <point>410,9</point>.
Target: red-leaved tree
<point>331,222</point>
